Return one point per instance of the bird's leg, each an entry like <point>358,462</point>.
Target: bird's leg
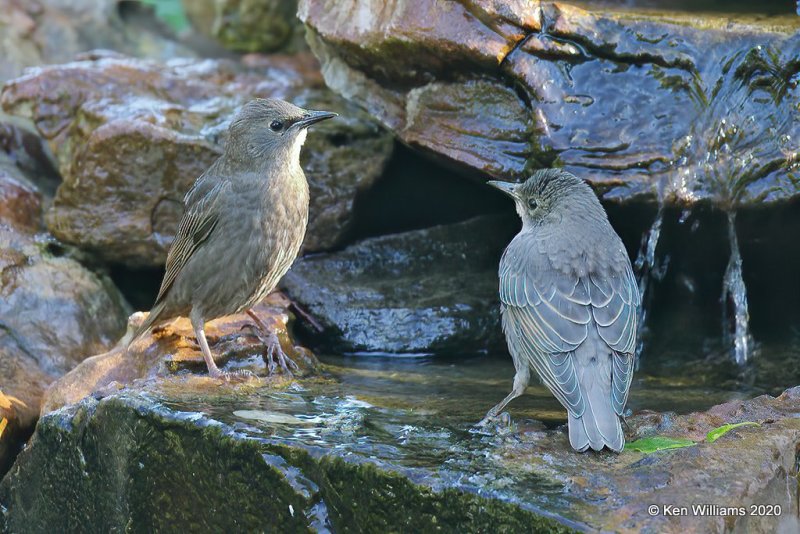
<point>270,339</point>
<point>494,412</point>
<point>200,333</point>
<point>520,383</point>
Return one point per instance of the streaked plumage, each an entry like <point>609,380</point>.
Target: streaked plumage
<point>570,306</point>
<point>243,224</point>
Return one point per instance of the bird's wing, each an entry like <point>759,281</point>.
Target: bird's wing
<point>550,312</point>
<point>547,314</point>
<point>621,377</point>
<point>615,309</point>
<point>199,219</point>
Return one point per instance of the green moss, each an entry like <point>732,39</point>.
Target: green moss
<point>365,498</point>
<point>126,464</point>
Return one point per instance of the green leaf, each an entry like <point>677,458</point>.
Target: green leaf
<point>658,443</point>
<point>718,432</point>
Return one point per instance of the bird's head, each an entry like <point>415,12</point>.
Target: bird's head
<point>267,126</point>
<point>551,195</point>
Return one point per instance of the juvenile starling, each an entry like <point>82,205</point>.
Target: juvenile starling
<point>569,305</point>
<point>243,223</point>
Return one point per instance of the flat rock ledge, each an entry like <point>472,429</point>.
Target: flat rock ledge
<point>647,106</point>
<point>170,452</point>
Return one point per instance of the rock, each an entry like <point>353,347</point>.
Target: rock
<point>25,157</point>
<point>11,435</point>
<point>172,348</point>
<point>53,310</point>
<point>53,314</point>
<point>20,201</point>
<point>37,32</point>
<point>374,451</point>
<point>248,25</point>
<point>131,136</point>
<point>646,106</point>
<point>421,292</point>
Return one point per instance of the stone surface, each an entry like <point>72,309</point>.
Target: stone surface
<point>248,25</point>
<point>11,435</point>
<point>20,201</point>
<point>645,105</point>
<point>131,136</point>
<point>431,291</point>
<point>53,314</point>
<point>36,32</point>
<point>24,156</point>
<point>376,449</point>
<point>53,311</point>
<point>172,349</point>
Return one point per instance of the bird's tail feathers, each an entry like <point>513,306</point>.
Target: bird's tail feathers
<point>155,313</point>
<point>599,426</point>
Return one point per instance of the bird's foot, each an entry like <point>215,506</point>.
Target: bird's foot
<point>493,423</point>
<point>242,375</point>
<point>274,352</point>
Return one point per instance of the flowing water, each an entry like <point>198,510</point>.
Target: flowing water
<point>414,416</point>
<point>736,317</point>
<point>647,270</point>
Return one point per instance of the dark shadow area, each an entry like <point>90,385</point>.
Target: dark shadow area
<point>696,248</point>
<point>15,446</point>
<point>767,7</point>
<point>415,193</point>
<point>139,286</point>
<point>683,336</point>
<point>770,243</point>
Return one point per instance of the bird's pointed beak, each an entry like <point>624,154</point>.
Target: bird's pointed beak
<point>312,117</point>
<point>508,188</point>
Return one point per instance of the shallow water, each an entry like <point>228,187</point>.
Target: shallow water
<point>414,416</point>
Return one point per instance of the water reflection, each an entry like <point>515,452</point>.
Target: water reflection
<point>414,416</point>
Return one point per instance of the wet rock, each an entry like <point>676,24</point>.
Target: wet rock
<point>172,349</point>
<point>53,313</point>
<point>25,155</point>
<point>686,108</point>
<point>420,292</point>
<point>380,449</point>
<point>20,201</point>
<point>36,32</point>
<point>131,136</point>
<point>248,25</point>
<point>141,453</point>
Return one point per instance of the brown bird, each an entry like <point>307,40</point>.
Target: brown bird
<point>243,223</point>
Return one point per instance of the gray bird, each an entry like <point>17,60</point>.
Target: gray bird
<point>243,223</point>
<point>569,305</point>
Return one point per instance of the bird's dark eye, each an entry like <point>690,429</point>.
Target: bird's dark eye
<point>276,126</point>
<point>532,204</point>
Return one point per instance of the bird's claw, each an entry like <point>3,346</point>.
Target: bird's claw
<point>242,375</point>
<point>492,421</point>
<point>275,351</point>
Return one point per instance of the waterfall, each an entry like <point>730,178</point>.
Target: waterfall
<point>734,299</point>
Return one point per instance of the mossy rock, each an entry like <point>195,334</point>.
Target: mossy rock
<point>126,463</point>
